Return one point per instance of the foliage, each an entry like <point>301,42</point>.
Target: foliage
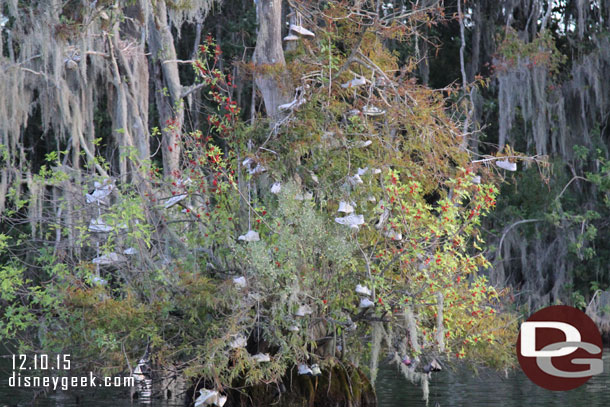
<point>540,52</point>
<point>390,149</point>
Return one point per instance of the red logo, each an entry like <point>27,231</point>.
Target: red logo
<point>560,348</point>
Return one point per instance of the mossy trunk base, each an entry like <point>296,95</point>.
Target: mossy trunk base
<point>340,386</point>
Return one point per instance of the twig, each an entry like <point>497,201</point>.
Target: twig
<point>178,61</point>
<point>574,178</point>
<point>35,72</point>
<point>502,158</point>
<point>509,229</point>
<point>101,54</point>
<point>126,358</point>
<point>353,54</point>
<point>190,89</point>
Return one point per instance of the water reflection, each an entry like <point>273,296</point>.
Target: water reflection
<point>463,388</point>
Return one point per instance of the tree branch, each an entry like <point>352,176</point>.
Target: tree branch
<point>508,229</point>
<point>187,90</point>
<point>574,178</point>
<point>178,61</point>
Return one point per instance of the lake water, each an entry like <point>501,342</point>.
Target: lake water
<point>489,388</point>
<point>448,388</point>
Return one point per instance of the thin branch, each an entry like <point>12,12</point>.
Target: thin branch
<point>366,61</point>
<point>508,229</point>
<point>190,89</point>
<point>92,157</point>
<point>353,54</point>
<point>503,158</point>
<point>101,54</point>
<point>574,178</point>
<point>35,72</point>
<point>178,61</point>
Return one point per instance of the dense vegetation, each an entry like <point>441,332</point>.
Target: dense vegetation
<point>178,181</point>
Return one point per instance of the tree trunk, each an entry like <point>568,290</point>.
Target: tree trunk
<point>270,74</point>
<point>168,90</point>
<point>129,94</point>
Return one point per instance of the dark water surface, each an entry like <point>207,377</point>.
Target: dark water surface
<point>447,388</point>
<point>489,388</point>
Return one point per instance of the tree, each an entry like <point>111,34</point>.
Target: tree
<point>268,58</point>
<point>262,232</point>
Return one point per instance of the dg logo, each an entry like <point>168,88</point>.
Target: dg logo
<point>560,348</point>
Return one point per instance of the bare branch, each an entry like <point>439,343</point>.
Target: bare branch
<point>178,61</point>
<point>508,229</point>
<point>187,90</point>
